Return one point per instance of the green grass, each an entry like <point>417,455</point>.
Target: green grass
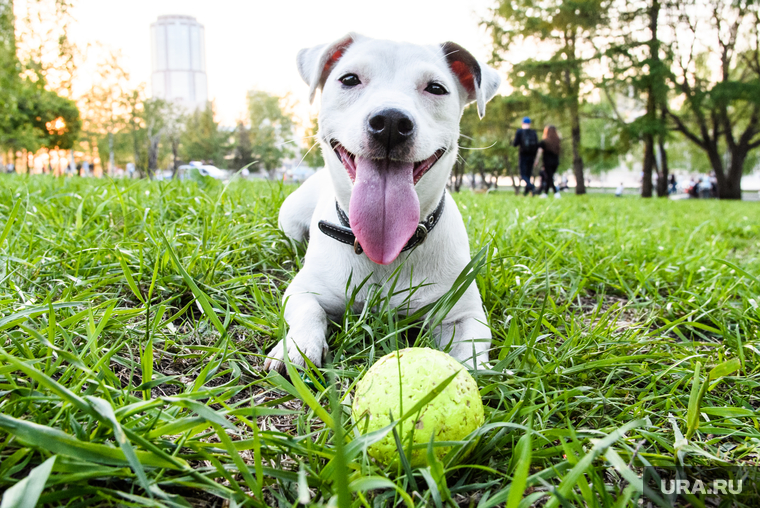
<point>134,317</point>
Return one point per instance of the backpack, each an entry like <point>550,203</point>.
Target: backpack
<point>528,141</point>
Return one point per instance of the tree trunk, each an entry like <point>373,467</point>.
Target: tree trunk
<point>728,189</point>
<point>511,174</point>
<point>153,154</point>
<point>662,179</point>
<point>175,150</point>
<point>458,173</point>
<point>575,123</point>
<point>482,172</point>
<point>730,186</point>
<point>580,182</point>
<point>649,164</point>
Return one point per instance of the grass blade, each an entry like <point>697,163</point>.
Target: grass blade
<point>105,410</point>
<point>55,441</point>
<point>26,492</point>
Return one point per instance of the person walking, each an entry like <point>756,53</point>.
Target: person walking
<point>527,140</point>
<point>549,147</point>
<point>673,184</point>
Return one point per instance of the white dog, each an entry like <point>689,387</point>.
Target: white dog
<point>388,128</point>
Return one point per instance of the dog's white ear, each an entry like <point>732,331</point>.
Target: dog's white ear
<point>314,64</point>
<point>480,81</point>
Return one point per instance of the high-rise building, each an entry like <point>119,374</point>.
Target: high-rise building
<point>178,57</point>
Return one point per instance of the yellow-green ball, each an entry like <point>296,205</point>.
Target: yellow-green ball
<point>452,415</point>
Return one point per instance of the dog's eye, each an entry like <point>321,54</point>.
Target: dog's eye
<point>350,80</point>
<point>436,88</point>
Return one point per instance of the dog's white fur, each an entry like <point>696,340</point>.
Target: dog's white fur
<point>393,75</point>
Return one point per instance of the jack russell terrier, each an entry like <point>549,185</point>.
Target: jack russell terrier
<point>388,129</point>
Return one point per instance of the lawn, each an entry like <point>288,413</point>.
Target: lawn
<point>134,317</point>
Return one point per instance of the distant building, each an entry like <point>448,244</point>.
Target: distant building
<point>178,57</point>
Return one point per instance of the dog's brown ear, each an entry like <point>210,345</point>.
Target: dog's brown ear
<point>315,64</point>
<point>479,81</point>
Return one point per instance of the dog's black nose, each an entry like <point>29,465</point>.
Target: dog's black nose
<point>390,127</point>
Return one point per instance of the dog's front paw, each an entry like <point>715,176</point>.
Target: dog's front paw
<point>313,349</point>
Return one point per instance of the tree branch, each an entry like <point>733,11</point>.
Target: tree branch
<point>681,127</point>
<point>751,130</point>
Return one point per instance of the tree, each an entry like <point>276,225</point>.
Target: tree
<point>486,144</point>
<point>154,115</point>
<point>243,148</point>
<point>57,119</point>
<point>203,139</point>
<point>639,62</point>
<point>271,129</point>
<point>31,115</point>
<point>41,119</point>
<point>717,75</point>
<point>10,81</point>
<point>569,29</point>
<point>134,102</point>
<point>313,156</point>
<point>44,46</point>
<point>174,127</point>
<point>106,105</point>
<point>606,138</point>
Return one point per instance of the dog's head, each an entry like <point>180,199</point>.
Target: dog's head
<point>388,126</point>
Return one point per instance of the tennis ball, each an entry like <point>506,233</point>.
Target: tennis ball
<point>401,379</point>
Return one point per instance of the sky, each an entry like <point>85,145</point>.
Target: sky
<point>252,44</point>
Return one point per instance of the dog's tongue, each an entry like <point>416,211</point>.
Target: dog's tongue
<point>384,210</point>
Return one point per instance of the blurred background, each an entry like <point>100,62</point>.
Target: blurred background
<point>659,98</point>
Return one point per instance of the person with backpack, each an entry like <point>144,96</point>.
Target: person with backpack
<point>527,140</point>
<point>549,146</point>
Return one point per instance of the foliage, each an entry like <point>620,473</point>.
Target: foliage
<point>43,109</point>
<point>569,29</point>
<point>9,69</point>
<point>31,115</point>
<point>243,150</point>
<point>639,62</point>
<point>604,140</point>
<point>486,144</point>
<point>136,313</point>
<point>106,105</point>
<point>32,125</point>
<point>271,129</point>
<point>717,76</point>
<point>156,113</point>
<point>313,152</point>
<point>203,139</point>
<point>175,122</point>
<point>43,43</point>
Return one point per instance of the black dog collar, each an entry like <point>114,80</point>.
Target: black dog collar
<point>344,234</point>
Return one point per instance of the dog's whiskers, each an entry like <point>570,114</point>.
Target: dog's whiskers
<point>478,147</point>
<point>307,153</point>
<point>295,139</point>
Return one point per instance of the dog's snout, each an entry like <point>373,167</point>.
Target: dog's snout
<point>390,127</point>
